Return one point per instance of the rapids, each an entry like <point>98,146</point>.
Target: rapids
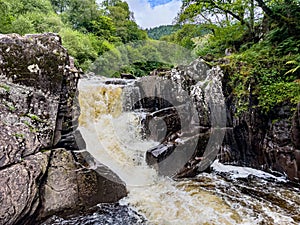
<point>228,195</point>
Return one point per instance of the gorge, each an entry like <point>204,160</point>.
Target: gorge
<point>45,170</point>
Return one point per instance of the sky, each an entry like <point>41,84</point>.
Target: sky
<point>153,13</point>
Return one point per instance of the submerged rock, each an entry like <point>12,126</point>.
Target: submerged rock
<point>109,214</point>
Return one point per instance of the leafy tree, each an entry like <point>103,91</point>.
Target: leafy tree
<point>83,47</point>
<point>17,15</point>
<point>87,30</point>
<point>219,12</point>
<point>126,28</point>
<point>6,17</point>
<point>60,6</point>
<point>263,37</point>
<point>79,13</point>
<point>19,7</point>
<point>103,27</point>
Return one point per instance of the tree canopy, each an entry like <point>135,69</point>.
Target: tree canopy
<point>259,38</point>
<point>87,29</point>
<point>262,42</point>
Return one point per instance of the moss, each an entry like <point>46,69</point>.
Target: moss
<point>5,87</point>
<point>18,135</point>
<point>31,127</point>
<point>35,117</point>
<point>260,78</point>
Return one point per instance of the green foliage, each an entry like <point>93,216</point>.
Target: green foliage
<point>87,30</point>
<point>22,25</point>
<point>264,63</point>
<point>34,117</point>
<point>50,22</point>
<point>103,27</point>
<point>59,6</point>
<point>295,69</point>
<point>185,36</point>
<point>126,29</point>
<point>6,17</point>
<point>5,87</point>
<point>83,47</point>
<point>20,7</point>
<point>18,135</point>
<point>140,58</point>
<point>79,13</point>
<point>278,93</point>
<point>266,76</point>
<point>143,68</point>
<point>157,32</point>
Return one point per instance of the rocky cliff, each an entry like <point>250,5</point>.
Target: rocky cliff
<point>269,142</point>
<point>265,141</point>
<point>41,175</point>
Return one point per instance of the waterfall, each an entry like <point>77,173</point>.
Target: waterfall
<point>112,132</point>
<point>113,136</point>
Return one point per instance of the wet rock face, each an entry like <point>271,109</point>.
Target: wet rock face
<point>39,114</point>
<point>269,142</point>
<point>182,117</point>
<point>281,142</point>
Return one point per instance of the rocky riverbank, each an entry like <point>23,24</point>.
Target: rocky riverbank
<point>41,173</point>
<point>263,141</point>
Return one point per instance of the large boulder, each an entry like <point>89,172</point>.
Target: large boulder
<point>71,187</point>
<point>39,116</point>
<point>183,116</point>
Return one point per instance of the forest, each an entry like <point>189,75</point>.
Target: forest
<point>256,42</point>
<point>87,29</point>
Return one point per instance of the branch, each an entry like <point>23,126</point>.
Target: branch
<point>267,10</point>
<point>239,18</point>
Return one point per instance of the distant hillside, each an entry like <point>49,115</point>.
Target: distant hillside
<point>157,32</point>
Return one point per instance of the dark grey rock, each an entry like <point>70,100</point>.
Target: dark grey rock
<point>39,112</point>
<point>71,187</point>
<point>20,189</point>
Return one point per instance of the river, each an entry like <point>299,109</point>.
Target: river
<point>227,195</point>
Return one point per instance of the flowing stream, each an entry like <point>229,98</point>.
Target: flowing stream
<point>228,195</point>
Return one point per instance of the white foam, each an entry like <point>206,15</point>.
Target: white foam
<point>244,172</point>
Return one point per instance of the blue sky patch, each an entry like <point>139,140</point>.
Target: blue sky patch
<point>154,3</point>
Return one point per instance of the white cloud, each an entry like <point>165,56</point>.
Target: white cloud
<point>147,17</point>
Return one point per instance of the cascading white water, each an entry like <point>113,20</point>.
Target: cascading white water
<point>113,137</point>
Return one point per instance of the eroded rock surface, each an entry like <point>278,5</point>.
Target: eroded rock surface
<point>39,116</point>
<point>188,107</point>
<point>78,186</point>
<point>270,142</point>
<point>20,189</point>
